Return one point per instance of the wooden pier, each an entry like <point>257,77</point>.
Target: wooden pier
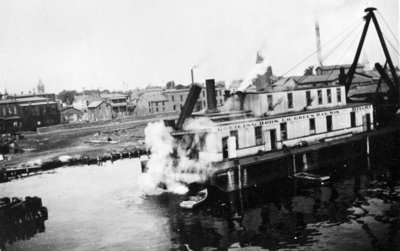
<point>32,168</point>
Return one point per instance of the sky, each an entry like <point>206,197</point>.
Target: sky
<point>118,45</point>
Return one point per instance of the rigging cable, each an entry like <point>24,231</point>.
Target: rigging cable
<point>332,50</point>
<point>387,25</point>
<point>345,52</point>
<point>335,37</point>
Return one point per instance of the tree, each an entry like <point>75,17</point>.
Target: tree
<point>67,96</point>
<point>309,70</point>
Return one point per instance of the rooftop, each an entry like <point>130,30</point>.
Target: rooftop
<point>337,67</point>
<point>22,100</point>
<point>310,79</point>
<point>114,96</point>
<point>95,104</point>
<point>154,97</point>
<point>38,103</point>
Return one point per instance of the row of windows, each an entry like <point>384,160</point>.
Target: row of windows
<point>328,95</point>
<point>309,99</point>
<point>283,129</point>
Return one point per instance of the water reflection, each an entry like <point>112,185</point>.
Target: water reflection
<point>103,208</point>
<point>21,220</point>
<point>286,214</point>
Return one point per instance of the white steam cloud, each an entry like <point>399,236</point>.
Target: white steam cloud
<point>258,69</point>
<point>170,164</point>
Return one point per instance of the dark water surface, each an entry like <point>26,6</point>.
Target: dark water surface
<point>101,207</point>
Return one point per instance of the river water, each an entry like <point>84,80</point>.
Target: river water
<point>102,207</point>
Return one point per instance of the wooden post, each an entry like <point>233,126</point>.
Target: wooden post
<point>240,177</point>
<point>294,164</point>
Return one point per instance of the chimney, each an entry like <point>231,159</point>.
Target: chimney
<point>211,97</point>
<point>342,76</point>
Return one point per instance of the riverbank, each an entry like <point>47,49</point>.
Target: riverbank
<point>73,145</point>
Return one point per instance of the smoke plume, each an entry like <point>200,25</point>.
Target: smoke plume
<point>172,164</point>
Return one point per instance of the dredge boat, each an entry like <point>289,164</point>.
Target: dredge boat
<point>275,130</point>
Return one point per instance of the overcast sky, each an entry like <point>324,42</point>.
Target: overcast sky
<point>101,44</point>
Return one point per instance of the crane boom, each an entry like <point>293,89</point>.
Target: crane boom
<point>395,84</point>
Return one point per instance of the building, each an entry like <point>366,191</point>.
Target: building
<point>335,69</point>
<point>99,111</point>
<point>71,115</point>
<point>119,103</point>
<point>28,113</point>
<point>81,102</point>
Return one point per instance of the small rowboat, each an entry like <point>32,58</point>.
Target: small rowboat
<point>195,200</point>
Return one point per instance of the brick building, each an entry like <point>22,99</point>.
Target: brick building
<point>28,113</point>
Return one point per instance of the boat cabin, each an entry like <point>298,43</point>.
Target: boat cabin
<point>268,121</point>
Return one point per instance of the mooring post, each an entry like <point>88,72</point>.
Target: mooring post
<point>245,182</point>
<point>294,164</point>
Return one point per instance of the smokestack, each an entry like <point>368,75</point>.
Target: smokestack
<point>191,72</point>
<point>318,43</point>
<point>227,94</point>
<point>211,98</point>
<point>189,105</point>
<point>342,77</point>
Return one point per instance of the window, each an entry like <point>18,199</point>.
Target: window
<point>329,123</point>
<point>308,98</point>
<point>220,92</point>
<point>320,97</point>
<point>204,93</point>
<point>181,97</point>
<point>174,107</point>
<point>328,93</point>
<point>156,103</point>
<point>204,103</point>
<point>235,134</point>
<point>312,126</point>
<point>283,131</point>
<point>270,105</point>
<point>173,98</point>
<point>353,119</point>
<point>258,135</point>
<point>221,102</point>
<point>156,109</point>
<point>163,103</point>
<point>290,100</point>
<point>339,95</point>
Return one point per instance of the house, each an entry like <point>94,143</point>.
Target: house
<point>81,102</point>
<point>71,115</point>
<point>119,103</point>
<point>99,111</point>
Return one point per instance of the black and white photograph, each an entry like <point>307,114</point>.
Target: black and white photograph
<point>199,125</point>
